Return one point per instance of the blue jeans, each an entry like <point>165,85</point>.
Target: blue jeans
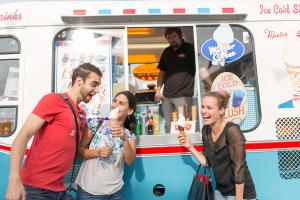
<point>219,196</point>
<point>83,195</point>
<point>33,193</point>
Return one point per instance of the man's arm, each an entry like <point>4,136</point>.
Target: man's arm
<point>15,189</point>
<point>87,136</point>
<point>160,82</point>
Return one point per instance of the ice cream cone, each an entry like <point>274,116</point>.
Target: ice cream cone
<point>113,121</point>
<point>181,122</point>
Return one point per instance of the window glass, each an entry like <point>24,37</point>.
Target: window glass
<point>100,47</point>
<point>227,62</point>
<point>8,45</point>
<point>8,116</point>
<point>118,69</point>
<point>9,85</point>
<point>9,79</point>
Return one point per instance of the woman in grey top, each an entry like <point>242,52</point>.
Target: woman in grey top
<point>101,173</point>
<point>223,149</point>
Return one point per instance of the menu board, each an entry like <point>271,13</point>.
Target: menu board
<point>70,55</point>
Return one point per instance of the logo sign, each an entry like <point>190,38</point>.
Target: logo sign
<point>220,54</point>
<point>10,15</point>
<point>238,102</point>
<point>146,72</point>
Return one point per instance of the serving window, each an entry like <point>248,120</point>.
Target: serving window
<point>145,47</point>
<point>9,84</point>
<point>224,61</point>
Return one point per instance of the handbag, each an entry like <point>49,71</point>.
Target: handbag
<point>201,187</point>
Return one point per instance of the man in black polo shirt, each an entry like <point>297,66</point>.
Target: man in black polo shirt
<point>177,74</point>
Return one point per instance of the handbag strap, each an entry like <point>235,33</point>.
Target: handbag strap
<point>206,170</point>
<point>77,133</point>
<point>198,168</point>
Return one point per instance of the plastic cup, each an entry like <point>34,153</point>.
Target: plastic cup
<point>114,123</point>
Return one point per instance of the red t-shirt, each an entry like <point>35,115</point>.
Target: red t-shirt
<point>53,148</point>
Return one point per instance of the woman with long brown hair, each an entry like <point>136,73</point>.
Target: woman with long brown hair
<point>224,150</point>
<point>101,174</point>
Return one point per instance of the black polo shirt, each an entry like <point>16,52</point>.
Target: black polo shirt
<point>179,67</point>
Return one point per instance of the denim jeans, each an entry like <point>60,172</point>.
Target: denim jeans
<point>33,193</point>
<point>83,195</point>
<point>219,196</point>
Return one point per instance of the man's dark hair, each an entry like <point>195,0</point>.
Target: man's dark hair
<point>84,70</point>
<point>171,30</point>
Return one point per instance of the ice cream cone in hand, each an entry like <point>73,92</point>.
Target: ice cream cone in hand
<point>113,122</point>
<point>181,122</point>
<point>183,139</point>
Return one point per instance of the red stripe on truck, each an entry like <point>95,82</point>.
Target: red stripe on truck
<point>258,146</point>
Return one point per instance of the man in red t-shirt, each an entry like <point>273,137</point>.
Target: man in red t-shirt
<point>53,148</point>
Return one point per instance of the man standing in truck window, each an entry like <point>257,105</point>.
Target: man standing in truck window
<point>53,148</point>
<point>177,74</point>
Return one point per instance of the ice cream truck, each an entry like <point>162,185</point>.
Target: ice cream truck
<point>249,48</point>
